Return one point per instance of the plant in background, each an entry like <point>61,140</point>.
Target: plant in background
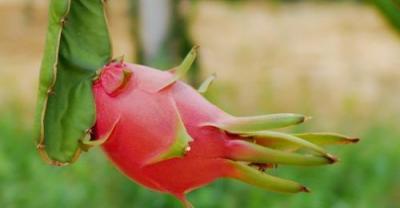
<point>156,129</point>
<point>391,10</point>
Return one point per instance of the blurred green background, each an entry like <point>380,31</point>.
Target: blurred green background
<point>337,61</point>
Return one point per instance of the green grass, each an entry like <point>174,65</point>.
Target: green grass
<point>367,176</point>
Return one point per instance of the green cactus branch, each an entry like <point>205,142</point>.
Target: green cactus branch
<point>77,45</point>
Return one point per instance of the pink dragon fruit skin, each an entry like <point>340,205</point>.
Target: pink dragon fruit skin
<point>163,134</point>
<point>147,123</point>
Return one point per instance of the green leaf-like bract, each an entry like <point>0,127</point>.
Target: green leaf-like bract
<point>77,45</point>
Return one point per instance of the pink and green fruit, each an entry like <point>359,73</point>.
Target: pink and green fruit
<point>165,135</point>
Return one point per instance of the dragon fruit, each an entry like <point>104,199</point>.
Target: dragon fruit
<point>158,130</point>
<point>163,134</point>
